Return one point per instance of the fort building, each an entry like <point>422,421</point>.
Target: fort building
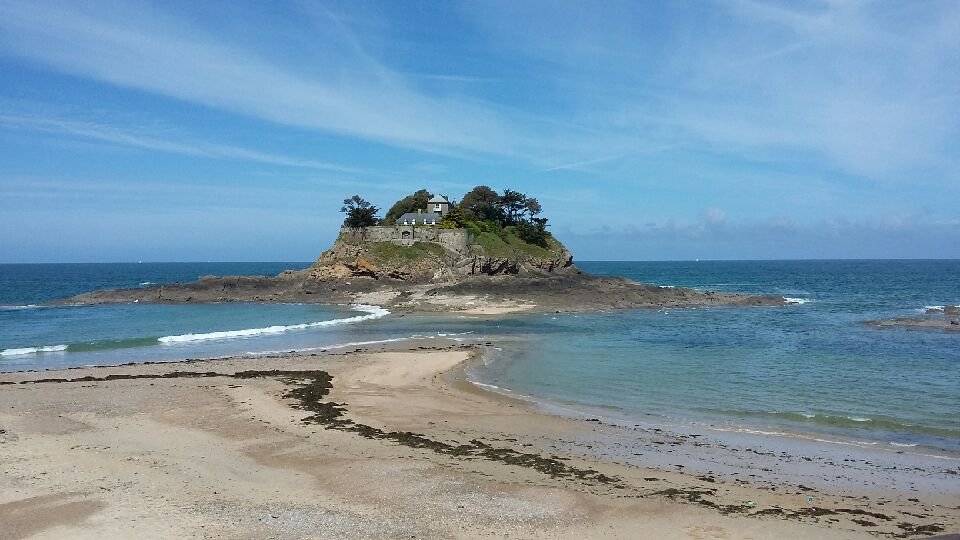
<point>437,207</point>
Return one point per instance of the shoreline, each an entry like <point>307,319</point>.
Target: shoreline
<point>606,416</point>
<point>546,405</point>
<point>402,388</point>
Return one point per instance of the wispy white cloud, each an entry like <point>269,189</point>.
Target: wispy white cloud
<point>134,45</point>
<point>753,106</point>
<point>868,86</point>
<point>581,163</point>
<point>192,147</point>
<point>864,88</point>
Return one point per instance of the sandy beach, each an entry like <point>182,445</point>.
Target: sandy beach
<point>397,444</point>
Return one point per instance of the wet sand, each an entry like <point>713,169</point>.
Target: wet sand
<point>396,443</point>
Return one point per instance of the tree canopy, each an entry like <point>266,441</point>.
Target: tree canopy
<point>408,204</point>
<point>360,213</point>
<point>482,210</point>
<point>454,218</point>
<point>482,204</point>
<point>491,211</point>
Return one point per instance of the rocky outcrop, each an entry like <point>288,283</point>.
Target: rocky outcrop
<point>946,318</point>
<point>562,261</point>
<point>353,255</point>
<point>492,266</point>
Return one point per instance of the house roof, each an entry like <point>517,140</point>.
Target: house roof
<point>438,199</point>
<point>419,218</point>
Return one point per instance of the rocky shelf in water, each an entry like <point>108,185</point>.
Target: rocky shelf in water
<point>570,291</point>
<point>945,318</point>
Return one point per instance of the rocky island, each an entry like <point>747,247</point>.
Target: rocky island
<point>946,318</point>
<point>490,253</point>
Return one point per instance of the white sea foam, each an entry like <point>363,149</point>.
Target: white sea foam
<point>372,312</point>
<point>335,346</point>
<point>746,430</point>
<point>18,308</point>
<point>450,334</point>
<point>507,392</point>
<point>791,300</point>
<point>932,308</point>
<point>902,445</point>
<point>144,283</point>
<point>859,419</point>
<point>33,350</point>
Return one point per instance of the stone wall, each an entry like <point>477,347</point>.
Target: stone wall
<point>455,240</point>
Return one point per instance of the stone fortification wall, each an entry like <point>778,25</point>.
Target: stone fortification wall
<point>455,240</point>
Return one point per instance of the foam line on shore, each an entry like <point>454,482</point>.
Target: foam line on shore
<point>372,312</point>
<point>792,300</point>
<point>335,346</point>
<point>26,351</point>
<point>18,308</point>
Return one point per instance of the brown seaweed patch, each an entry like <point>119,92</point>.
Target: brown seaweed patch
<point>314,385</point>
<point>859,512</point>
<point>331,415</point>
<point>910,529</point>
<point>695,496</point>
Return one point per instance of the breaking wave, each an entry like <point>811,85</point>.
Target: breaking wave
<point>24,351</point>
<point>372,312</point>
<point>18,308</point>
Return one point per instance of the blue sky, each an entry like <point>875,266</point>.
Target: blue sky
<point>194,131</point>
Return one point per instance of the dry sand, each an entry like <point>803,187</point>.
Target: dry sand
<point>221,456</point>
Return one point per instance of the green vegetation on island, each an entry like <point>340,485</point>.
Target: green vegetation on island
<point>511,216</point>
<point>426,235</point>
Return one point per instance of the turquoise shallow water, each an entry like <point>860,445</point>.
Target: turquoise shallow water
<point>811,368</point>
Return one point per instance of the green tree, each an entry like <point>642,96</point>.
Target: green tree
<point>512,204</point>
<point>482,204</point>
<point>533,231</point>
<point>518,207</point>
<point>410,203</point>
<point>454,218</point>
<point>360,213</point>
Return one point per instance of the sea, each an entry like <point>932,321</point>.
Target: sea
<point>810,369</point>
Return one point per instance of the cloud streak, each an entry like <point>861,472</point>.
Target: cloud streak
<point>196,148</point>
<point>864,88</point>
<point>135,46</point>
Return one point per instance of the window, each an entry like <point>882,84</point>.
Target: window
<point>438,207</point>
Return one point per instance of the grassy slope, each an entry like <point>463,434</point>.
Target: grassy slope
<point>396,255</point>
<point>510,246</point>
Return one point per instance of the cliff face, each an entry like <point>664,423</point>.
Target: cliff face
<point>356,254</point>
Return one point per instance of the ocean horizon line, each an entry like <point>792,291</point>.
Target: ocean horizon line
<point>286,261</point>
